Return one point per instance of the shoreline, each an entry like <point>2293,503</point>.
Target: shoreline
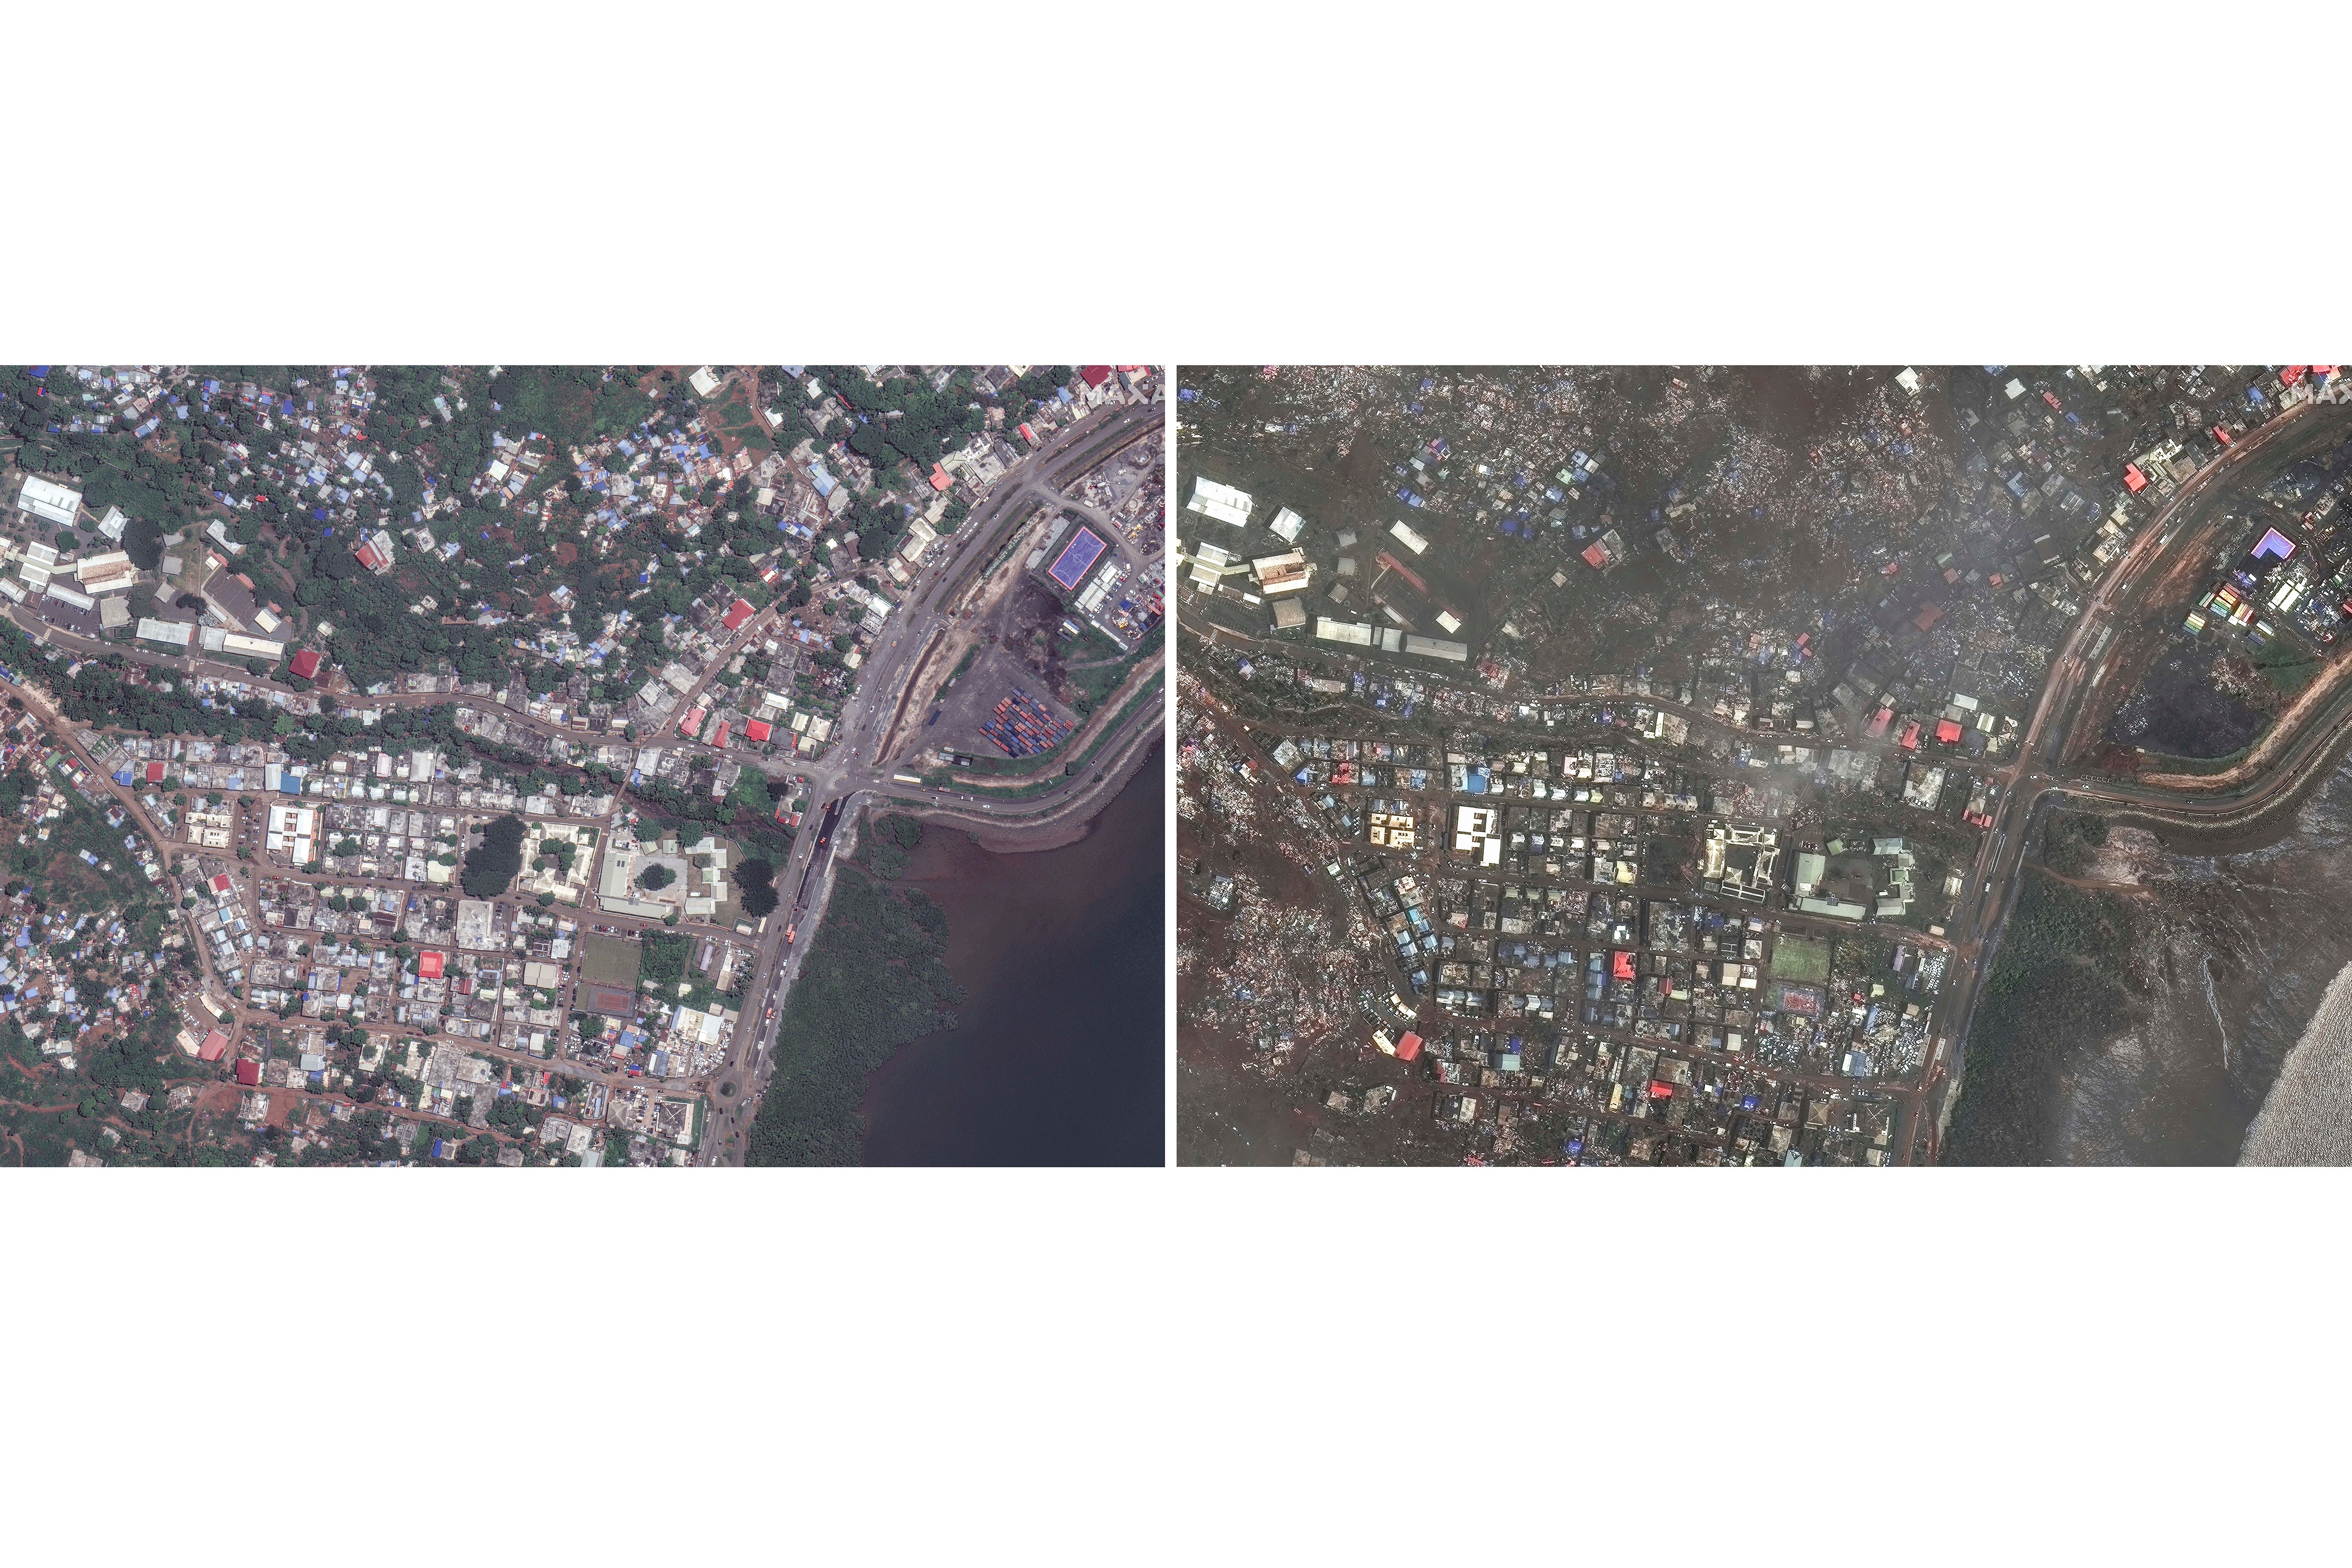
<point>1010,839</point>
<point>1012,1083</point>
<point>1062,835</point>
<point>2302,1120</point>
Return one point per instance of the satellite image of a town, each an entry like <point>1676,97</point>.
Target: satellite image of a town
<point>1795,766</point>
<point>593,765</point>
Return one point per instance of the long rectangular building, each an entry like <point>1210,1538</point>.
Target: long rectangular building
<point>176,633</point>
<point>1354,632</point>
<point>1223,502</point>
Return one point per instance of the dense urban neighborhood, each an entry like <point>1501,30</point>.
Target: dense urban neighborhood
<point>1644,767</point>
<point>417,764</point>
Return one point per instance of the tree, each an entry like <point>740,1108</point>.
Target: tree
<point>656,877</point>
<point>843,1025</point>
<point>756,880</point>
<point>491,866</point>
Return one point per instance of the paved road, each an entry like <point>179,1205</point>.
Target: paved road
<point>2055,731</point>
<point>857,770</point>
<point>853,773</point>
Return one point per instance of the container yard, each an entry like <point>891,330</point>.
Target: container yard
<point>1022,726</point>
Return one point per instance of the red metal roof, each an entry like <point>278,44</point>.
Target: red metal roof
<point>428,966</point>
<point>215,1046</point>
<point>1595,556</point>
<point>1408,1048</point>
<point>154,773</point>
<point>1095,374</point>
<point>2134,480</point>
<point>1620,964</point>
<point>720,739</point>
<point>306,663</point>
<point>249,1072</point>
<point>737,614</point>
<point>939,480</point>
<point>691,722</point>
<point>1947,730</point>
<point>757,729</point>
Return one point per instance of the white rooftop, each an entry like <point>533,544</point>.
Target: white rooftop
<point>1223,502</point>
<point>51,503</point>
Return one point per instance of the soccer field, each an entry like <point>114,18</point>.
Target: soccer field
<point>609,961</point>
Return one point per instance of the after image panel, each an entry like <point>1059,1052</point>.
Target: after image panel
<point>1807,765</point>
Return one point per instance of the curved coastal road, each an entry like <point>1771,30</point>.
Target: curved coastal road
<point>858,770</point>
<point>2055,730</point>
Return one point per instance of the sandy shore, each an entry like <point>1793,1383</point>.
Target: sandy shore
<point>2306,1119</point>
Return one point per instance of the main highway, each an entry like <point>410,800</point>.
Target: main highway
<point>858,769</point>
<point>2056,729</point>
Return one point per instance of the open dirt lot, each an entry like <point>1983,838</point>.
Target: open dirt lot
<point>991,678</point>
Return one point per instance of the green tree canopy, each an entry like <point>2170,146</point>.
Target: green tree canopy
<point>491,866</point>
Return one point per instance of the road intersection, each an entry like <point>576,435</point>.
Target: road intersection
<point>2056,731</point>
<point>855,772</point>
